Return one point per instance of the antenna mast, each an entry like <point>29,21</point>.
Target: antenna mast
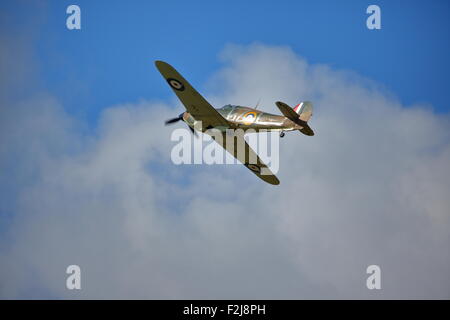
<point>256,107</point>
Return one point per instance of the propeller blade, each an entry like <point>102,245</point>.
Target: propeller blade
<point>180,117</point>
<point>173,120</point>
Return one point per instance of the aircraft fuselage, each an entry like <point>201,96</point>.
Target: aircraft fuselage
<point>249,118</point>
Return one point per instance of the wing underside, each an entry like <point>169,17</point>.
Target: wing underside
<point>239,148</point>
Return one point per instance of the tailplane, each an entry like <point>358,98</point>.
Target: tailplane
<point>304,110</point>
<point>300,114</point>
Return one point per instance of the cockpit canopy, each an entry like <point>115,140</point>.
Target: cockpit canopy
<point>226,110</point>
<point>227,107</point>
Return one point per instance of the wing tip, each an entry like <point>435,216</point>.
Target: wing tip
<point>162,64</point>
<point>276,182</point>
<point>271,179</point>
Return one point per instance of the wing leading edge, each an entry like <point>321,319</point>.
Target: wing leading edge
<point>194,103</point>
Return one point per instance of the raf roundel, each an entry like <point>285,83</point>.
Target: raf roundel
<point>249,117</point>
<point>254,167</point>
<point>174,83</point>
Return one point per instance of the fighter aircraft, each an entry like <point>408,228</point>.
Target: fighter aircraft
<point>199,111</point>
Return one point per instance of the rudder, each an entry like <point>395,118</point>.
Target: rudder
<point>304,110</point>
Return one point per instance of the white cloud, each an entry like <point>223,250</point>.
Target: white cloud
<point>372,187</point>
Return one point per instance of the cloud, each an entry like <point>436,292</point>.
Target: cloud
<point>372,187</point>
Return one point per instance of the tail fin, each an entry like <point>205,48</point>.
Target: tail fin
<point>304,110</point>
<point>300,115</point>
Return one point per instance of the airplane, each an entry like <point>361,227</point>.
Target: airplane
<point>199,111</point>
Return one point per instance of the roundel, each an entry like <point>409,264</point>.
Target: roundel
<point>249,117</point>
<point>174,83</point>
<point>254,167</point>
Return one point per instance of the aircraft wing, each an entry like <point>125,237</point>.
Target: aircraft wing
<point>195,104</point>
<point>240,149</point>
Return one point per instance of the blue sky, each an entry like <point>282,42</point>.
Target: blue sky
<point>110,60</point>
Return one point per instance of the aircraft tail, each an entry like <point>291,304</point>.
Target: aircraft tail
<point>304,110</point>
<point>300,114</point>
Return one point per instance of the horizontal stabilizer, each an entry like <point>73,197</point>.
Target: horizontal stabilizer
<point>307,130</point>
<point>290,113</point>
<point>287,111</point>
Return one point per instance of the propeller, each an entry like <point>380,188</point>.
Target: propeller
<point>180,117</point>
<point>173,120</point>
